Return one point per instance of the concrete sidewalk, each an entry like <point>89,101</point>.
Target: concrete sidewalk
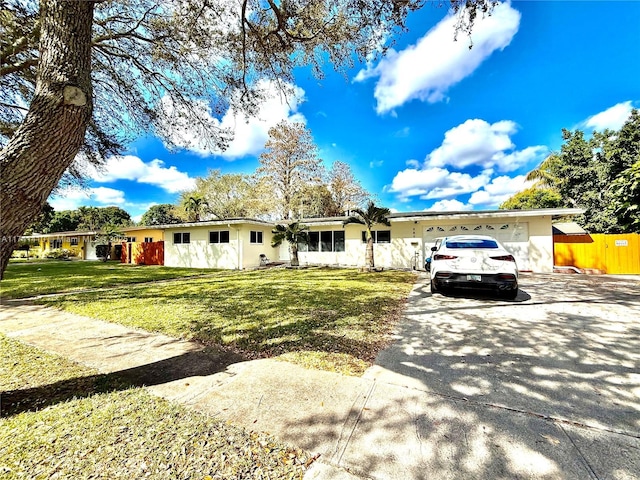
<point>395,422</point>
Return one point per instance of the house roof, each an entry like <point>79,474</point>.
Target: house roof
<point>216,223</point>
<point>73,233</point>
<point>459,215</point>
<point>568,228</point>
<point>538,212</point>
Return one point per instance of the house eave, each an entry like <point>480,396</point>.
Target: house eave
<point>485,214</point>
<point>215,223</point>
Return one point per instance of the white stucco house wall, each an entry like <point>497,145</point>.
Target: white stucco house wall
<point>527,234</point>
<point>227,244</point>
<point>238,243</point>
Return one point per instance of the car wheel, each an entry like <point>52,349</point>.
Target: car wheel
<point>434,289</point>
<point>510,294</point>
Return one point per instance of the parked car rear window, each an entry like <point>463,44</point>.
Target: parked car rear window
<point>475,243</point>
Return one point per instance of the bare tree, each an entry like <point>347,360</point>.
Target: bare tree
<point>291,162</point>
<point>347,192</point>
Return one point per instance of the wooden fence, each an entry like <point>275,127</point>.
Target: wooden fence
<point>143,253</point>
<point>613,254</point>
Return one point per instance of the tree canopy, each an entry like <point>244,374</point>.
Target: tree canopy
<point>596,174</point>
<point>162,214</point>
<point>89,76</point>
<point>83,218</point>
<point>533,198</point>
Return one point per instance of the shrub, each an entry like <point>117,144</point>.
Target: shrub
<point>58,254</point>
<point>102,251</point>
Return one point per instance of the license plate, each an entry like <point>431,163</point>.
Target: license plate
<point>474,278</point>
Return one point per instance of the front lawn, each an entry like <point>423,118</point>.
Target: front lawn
<point>52,276</point>
<point>332,319</point>
<point>110,431</point>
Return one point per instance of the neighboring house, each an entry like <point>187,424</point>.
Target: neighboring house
<point>234,244</point>
<point>77,243</point>
<point>142,245</point>
<point>82,245</point>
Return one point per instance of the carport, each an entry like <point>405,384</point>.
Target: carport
<point>527,234</point>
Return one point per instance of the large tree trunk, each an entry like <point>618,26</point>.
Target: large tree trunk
<point>53,130</point>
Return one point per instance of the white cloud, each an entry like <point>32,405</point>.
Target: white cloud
<point>71,198</point>
<point>612,118</point>
<point>426,70</point>
<point>249,134</point>
<point>515,160</point>
<point>476,142</point>
<point>130,167</point>
<point>449,206</point>
<point>499,190</point>
<point>107,196</point>
<point>436,183</point>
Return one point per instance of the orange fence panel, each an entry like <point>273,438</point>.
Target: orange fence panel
<point>613,254</point>
<point>143,253</point>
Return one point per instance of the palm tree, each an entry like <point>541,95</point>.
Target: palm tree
<point>371,216</point>
<point>294,233</point>
<point>545,175</point>
<point>194,204</point>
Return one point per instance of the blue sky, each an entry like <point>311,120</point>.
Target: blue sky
<point>433,125</point>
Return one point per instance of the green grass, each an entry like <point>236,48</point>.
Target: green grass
<point>110,431</point>
<point>44,277</point>
<point>332,319</point>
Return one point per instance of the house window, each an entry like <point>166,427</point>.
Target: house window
<point>219,236</point>
<point>338,241</point>
<point>130,239</point>
<point>379,236</point>
<point>56,243</point>
<point>181,237</point>
<point>148,239</point>
<point>314,241</point>
<point>73,241</point>
<point>383,236</point>
<point>325,241</point>
<point>256,237</point>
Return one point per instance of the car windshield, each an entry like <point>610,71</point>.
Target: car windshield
<point>471,243</point>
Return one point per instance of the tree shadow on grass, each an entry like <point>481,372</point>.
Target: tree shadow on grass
<point>192,364</point>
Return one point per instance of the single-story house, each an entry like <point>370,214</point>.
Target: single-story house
<point>239,243</point>
<point>82,244</point>
<point>78,244</point>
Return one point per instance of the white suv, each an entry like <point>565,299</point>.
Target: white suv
<point>474,262</point>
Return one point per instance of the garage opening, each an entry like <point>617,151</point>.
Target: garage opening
<point>514,237</point>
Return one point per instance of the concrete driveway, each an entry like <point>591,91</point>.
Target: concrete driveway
<point>567,350</point>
